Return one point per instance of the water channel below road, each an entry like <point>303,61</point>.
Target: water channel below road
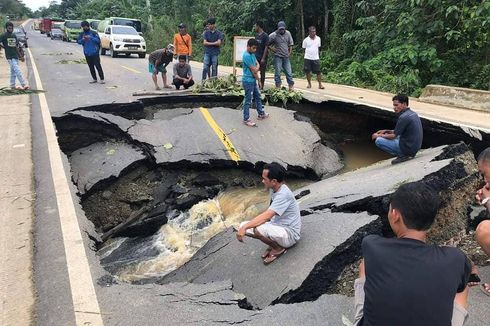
<point>185,225</point>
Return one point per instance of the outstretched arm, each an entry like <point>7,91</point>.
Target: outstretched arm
<point>257,221</point>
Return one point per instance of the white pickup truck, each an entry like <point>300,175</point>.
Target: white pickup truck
<point>122,39</point>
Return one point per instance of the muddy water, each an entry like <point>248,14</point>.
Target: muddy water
<point>360,153</point>
<point>179,239</point>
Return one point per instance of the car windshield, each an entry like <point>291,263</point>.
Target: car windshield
<point>124,30</point>
<point>128,22</point>
<point>56,26</point>
<point>73,24</point>
<point>94,24</point>
<point>18,31</point>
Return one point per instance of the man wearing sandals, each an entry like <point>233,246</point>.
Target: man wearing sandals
<point>9,42</point>
<point>279,226</point>
<point>483,198</point>
<point>312,45</point>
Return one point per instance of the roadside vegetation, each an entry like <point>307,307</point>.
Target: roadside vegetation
<point>387,45</point>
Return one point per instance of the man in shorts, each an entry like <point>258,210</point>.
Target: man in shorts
<point>312,45</point>
<point>403,280</point>
<point>158,61</point>
<point>279,226</point>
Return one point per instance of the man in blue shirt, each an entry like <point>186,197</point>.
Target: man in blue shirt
<point>406,139</point>
<point>91,45</point>
<point>249,80</point>
<point>213,40</point>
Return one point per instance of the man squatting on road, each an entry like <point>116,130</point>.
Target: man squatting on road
<point>182,73</point>
<point>406,139</point>
<point>91,45</point>
<point>250,78</point>
<point>9,42</point>
<point>158,61</point>
<point>404,281</point>
<point>279,226</point>
<point>483,198</point>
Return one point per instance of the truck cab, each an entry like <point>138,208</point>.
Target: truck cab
<point>72,30</point>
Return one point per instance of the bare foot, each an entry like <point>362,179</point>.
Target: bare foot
<point>309,86</point>
<point>157,88</point>
<point>321,86</point>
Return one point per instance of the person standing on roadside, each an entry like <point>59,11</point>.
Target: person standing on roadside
<point>250,78</point>
<point>312,45</point>
<point>262,50</point>
<point>158,61</point>
<point>90,41</point>
<point>213,40</point>
<point>9,42</point>
<point>281,43</point>
<point>183,43</point>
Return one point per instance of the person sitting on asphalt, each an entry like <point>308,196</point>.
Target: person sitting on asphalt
<point>250,78</point>
<point>183,73</point>
<point>279,226</point>
<point>404,280</point>
<point>405,141</point>
<point>483,197</point>
<point>158,61</point>
<point>90,41</point>
<point>9,42</point>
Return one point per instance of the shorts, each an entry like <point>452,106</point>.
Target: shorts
<point>312,66</point>
<point>459,313</point>
<point>161,68</point>
<point>274,232</point>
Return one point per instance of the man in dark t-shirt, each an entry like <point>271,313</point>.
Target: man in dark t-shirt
<point>158,61</point>
<point>405,281</point>
<point>406,139</point>
<point>262,50</point>
<point>9,42</point>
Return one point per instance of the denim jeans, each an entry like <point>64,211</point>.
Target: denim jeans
<point>251,89</point>
<point>390,146</point>
<point>212,60</point>
<point>279,65</point>
<point>15,72</point>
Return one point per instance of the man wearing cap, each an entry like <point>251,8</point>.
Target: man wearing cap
<point>212,40</point>
<point>183,43</point>
<point>281,44</point>
<point>158,61</point>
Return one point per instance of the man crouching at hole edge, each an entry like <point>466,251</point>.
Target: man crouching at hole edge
<point>280,225</point>
<point>404,280</point>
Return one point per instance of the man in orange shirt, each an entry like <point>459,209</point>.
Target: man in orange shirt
<point>183,43</point>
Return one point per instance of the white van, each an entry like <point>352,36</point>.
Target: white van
<point>122,39</point>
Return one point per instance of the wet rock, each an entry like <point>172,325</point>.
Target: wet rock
<point>178,189</point>
<point>149,224</point>
<point>106,194</point>
<point>205,179</point>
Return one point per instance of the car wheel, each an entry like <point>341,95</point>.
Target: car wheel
<point>142,55</point>
<point>102,51</point>
<point>113,53</point>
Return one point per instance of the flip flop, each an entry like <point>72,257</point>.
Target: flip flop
<point>269,259</point>
<point>482,288</point>
<point>266,253</point>
<point>321,87</point>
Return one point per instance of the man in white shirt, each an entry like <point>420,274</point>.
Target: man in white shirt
<point>312,45</point>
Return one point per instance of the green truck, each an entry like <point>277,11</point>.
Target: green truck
<point>72,30</point>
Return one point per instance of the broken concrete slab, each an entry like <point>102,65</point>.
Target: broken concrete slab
<point>101,162</point>
<point>183,135</point>
<point>302,272</point>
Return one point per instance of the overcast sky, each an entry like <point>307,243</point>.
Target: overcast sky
<point>35,4</point>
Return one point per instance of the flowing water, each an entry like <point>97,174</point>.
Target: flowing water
<point>179,239</point>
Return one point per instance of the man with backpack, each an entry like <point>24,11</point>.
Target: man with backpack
<point>183,43</point>
<point>91,45</point>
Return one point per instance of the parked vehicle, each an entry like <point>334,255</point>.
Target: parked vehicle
<point>57,31</point>
<point>21,34</point>
<point>122,39</point>
<point>94,23</point>
<point>46,24</point>
<point>136,23</point>
<point>36,24</point>
<point>72,29</point>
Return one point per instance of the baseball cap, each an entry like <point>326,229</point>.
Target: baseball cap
<point>181,25</point>
<point>170,48</point>
<point>281,25</point>
<point>212,21</point>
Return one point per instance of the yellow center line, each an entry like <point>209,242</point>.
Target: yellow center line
<point>223,137</point>
<point>131,69</point>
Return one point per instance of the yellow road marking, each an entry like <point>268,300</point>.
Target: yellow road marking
<point>131,69</point>
<point>85,304</point>
<point>223,137</point>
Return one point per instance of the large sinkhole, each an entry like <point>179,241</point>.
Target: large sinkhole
<point>164,191</point>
